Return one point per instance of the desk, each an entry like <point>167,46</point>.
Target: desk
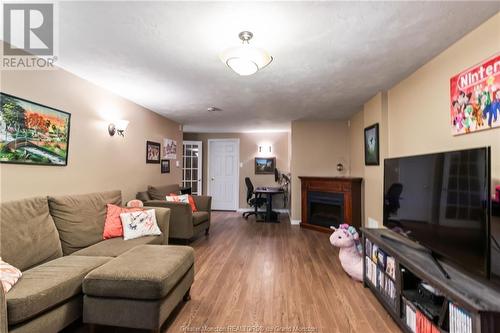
<point>269,192</point>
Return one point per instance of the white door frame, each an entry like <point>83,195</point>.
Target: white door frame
<point>200,162</point>
<point>237,168</point>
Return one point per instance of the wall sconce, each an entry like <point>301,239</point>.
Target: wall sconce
<point>265,149</point>
<point>118,127</point>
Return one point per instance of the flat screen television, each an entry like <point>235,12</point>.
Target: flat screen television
<point>441,201</point>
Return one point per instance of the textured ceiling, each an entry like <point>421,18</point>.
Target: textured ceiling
<point>329,57</point>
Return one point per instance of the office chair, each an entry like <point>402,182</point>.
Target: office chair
<point>252,199</point>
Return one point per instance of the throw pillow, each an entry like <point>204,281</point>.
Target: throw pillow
<point>138,224</point>
<point>186,198</point>
<point>135,203</point>
<point>8,275</point>
<point>113,224</point>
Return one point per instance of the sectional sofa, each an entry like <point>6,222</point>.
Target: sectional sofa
<point>56,242</point>
<point>184,223</point>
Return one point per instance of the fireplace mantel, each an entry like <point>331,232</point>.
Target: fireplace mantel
<point>349,187</point>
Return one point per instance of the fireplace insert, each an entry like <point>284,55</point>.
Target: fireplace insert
<point>325,209</point>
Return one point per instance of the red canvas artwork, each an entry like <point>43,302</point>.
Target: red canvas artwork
<point>475,97</point>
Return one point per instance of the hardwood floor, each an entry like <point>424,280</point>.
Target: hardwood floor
<point>273,276</point>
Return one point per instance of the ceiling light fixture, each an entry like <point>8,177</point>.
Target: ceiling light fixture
<point>214,109</point>
<point>245,59</point>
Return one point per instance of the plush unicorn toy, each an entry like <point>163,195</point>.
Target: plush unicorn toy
<point>347,239</point>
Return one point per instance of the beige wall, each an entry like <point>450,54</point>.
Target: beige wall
<point>317,147</point>
<point>375,111</point>
<point>249,143</point>
<point>356,145</point>
<point>97,161</point>
<point>417,118</point>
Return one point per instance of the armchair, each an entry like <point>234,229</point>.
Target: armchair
<point>184,223</point>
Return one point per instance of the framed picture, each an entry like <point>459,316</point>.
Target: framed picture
<point>169,149</point>
<point>165,166</point>
<point>265,165</point>
<point>153,152</point>
<point>32,133</point>
<point>475,98</point>
<point>372,145</point>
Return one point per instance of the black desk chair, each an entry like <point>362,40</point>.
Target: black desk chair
<point>253,200</point>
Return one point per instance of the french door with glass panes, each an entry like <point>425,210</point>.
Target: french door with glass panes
<point>192,166</point>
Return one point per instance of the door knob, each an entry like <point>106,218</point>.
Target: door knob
<point>213,178</point>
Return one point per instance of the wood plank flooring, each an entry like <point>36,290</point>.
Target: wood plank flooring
<point>271,277</point>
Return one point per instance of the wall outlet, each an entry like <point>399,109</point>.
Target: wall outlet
<point>372,223</point>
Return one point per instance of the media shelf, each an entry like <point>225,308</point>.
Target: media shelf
<point>394,269</point>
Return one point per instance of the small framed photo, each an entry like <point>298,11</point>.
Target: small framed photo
<point>153,152</point>
<point>265,165</point>
<point>372,145</point>
<point>165,166</point>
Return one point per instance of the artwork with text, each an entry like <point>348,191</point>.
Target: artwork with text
<point>475,98</point>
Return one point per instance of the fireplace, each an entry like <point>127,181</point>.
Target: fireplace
<point>330,201</point>
<point>325,209</point>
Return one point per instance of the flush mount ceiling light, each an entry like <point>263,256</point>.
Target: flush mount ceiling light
<point>245,59</point>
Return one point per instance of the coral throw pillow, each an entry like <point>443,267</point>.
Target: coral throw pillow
<point>138,224</point>
<point>186,198</point>
<point>8,275</point>
<point>113,224</point>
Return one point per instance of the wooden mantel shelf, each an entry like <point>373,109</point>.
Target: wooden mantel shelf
<point>349,187</point>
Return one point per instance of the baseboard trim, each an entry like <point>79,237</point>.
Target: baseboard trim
<point>294,222</point>
<point>279,210</point>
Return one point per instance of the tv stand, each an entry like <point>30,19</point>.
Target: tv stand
<point>417,247</point>
<point>397,287</point>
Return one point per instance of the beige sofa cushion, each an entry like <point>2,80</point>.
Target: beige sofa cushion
<point>80,218</point>
<point>115,246</point>
<point>48,285</point>
<point>28,236</point>
<point>145,272</point>
<point>160,192</point>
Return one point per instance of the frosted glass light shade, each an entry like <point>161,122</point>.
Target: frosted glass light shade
<point>121,125</point>
<point>245,59</point>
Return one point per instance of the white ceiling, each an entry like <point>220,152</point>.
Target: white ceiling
<point>329,57</point>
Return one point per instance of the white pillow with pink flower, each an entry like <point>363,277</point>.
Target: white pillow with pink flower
<point>8,275</point>
<point>140,223</point>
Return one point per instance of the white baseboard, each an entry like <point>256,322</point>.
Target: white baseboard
<point>294,222</point>
<point>279,210</point>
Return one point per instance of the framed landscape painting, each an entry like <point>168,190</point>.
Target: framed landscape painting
<point>372,145</point>
<point>32,133</point>
<point>265,165</point>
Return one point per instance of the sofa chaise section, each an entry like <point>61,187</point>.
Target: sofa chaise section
<point>29,238</point>
<point>47,285</point>
<point>35,234</point>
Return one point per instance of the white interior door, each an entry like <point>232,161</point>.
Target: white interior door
<point>223,173</point>
<point>192,156</point>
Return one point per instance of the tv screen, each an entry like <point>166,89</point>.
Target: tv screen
<point>442,201</point>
